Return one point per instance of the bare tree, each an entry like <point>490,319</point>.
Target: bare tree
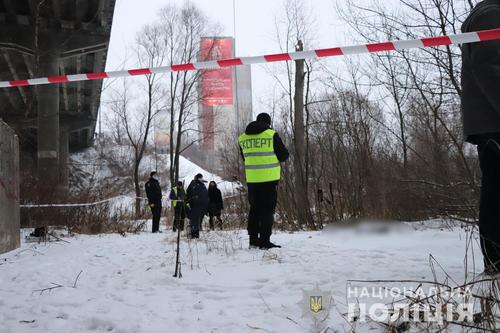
<point>135,116</point>
<point>300,151</point>
<point>182,29</point>
<point>425,90</point>
<point>292,29</point>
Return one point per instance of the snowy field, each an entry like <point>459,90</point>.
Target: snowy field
<point>111,283</point>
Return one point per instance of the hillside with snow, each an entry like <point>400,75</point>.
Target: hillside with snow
<point>110,168</point>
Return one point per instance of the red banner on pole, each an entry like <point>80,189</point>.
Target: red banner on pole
<point>216,84</point>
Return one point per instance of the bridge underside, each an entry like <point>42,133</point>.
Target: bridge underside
<point>41,38</point>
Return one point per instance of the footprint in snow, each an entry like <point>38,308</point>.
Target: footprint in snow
<point>62,315</point>
<point>198,306</point>
<point>263,280</point>
<point>99,324</point>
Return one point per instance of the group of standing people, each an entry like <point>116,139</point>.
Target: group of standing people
<point>263,152</point>
<point>193,203</point>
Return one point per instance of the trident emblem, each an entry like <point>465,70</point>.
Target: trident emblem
<point>316,303</point>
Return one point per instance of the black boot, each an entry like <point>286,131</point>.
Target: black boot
<point>265,243</point>
<point>269,245</point>
<point>254,242</point>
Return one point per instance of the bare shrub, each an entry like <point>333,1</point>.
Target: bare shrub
<point>101,219</point>
<point>223,242</point>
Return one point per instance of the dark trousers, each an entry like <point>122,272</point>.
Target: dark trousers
<point>195,225</point>
<point>489,210</point>
<point>179,216</point>
<point>263,198</point>
<point>212,215</point>
<point>156,210</point>
<point>195,222</point>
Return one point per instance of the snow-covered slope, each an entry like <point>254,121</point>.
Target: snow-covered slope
<point>112,170</point>
<point>187,172</point>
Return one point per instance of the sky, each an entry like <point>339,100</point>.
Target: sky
<point>255,30</point>
<point>254,22</point>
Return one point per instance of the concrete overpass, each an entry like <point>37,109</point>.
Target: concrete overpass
<point>52,37</point>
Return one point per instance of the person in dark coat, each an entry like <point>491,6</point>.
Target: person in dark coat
<point>262,150</point>
<point>153,192</point>
<point>481,122</point>
<point>215,205</point>
<point>178,197</point>
<point>197,199</point>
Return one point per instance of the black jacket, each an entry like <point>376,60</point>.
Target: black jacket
<point>197,199</point>
<point>215,203</point>
<point>481,76</point>
<point>257,127</point>
<point>153,191</point>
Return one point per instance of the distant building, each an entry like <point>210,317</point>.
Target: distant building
<point>225,105</point>
<point>161,138</point>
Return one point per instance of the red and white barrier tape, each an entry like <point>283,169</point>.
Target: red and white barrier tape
<point>96,203</point>
<point>78,204</point>
<point>471,37</point>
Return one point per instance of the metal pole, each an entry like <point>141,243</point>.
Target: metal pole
<point>236,102</point>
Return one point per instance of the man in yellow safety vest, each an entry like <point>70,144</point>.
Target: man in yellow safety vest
<point>263,151</point>
<point>178,197</point>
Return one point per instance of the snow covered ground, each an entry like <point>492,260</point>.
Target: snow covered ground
<point>126,283</point>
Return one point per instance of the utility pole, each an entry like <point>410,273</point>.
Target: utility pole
<point>235,69</point>
<point>236,95</point>
<point>303,209</point>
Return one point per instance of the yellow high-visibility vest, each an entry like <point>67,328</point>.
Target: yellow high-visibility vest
<point>261,163</point>
<point>174,202</point>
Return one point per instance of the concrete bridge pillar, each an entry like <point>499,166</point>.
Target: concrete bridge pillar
<point>48,130</point>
